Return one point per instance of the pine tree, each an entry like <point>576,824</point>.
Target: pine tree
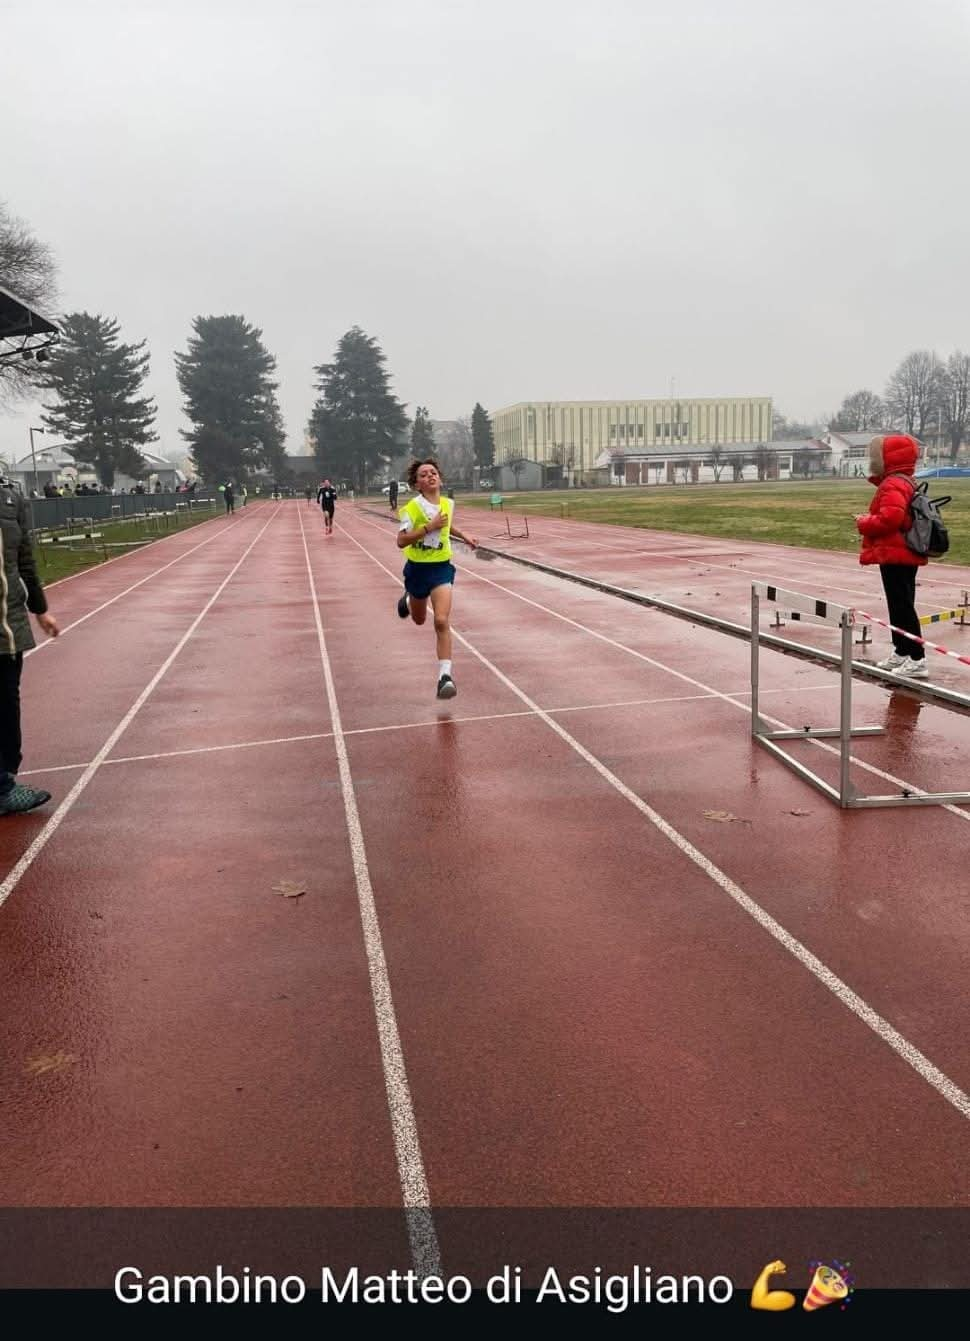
<point>422,434</point>
<point>230,398</point>
<point>357,423</point>
<point>482,440</point>
<point>97,410</point>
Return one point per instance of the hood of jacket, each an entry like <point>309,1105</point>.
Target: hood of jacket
<point>895,451</point>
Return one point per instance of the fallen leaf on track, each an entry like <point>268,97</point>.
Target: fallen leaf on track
<point>290,889</point>
<point>55,1061</point>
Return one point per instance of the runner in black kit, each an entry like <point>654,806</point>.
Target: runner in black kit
<point>327,498</point>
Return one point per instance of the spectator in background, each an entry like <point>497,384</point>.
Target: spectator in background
<point>20,591</point>
<point>892,460</point>
<point>392,495</point>
<point>229,496</point>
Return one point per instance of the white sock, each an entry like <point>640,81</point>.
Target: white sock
<point>444,668</point>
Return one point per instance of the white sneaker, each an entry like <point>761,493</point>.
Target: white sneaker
<point>913,670</point>
<point>892,662</point>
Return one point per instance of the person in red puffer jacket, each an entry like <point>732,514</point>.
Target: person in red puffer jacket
<point>892,460</point>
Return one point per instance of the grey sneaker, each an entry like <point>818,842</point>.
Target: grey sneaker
<point>892,662</point>
<point>446,687</point>
<point>913,670</point>
<point>20,799</point>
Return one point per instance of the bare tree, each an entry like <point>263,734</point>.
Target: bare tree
<point>763,458</point>
<point>455,450</point>
<point>27,269</point>
<point>517,465</point>
<point>956,400</point>
<point>913,394</point>
<point>716,462</point>
<point>736,462</point>
<point>861,412</point>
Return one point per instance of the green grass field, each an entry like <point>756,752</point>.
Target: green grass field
<point>819,515</point>
<point>61,560</point>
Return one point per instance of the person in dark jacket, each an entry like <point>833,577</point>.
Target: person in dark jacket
<point>892,460</point>
<point>230,497</point>
<point>20,591</point>
<point>327,498</point>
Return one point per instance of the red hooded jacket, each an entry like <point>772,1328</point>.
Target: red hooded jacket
<point>889,514</point>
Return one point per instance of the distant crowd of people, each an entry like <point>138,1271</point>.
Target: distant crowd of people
<point>83,490</point>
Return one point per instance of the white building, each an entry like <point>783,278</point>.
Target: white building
<point>850,451</point>
<point>630,441</point>
<point>55,465</point>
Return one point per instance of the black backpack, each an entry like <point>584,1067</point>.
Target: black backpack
<point>928,535</point>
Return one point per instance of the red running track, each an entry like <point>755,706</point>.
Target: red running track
<point>569,939</point>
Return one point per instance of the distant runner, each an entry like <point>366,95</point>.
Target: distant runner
<point>327,498</point>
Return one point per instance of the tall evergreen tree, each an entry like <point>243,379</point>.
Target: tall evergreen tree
<point>422,433</point>
<point>230,398</point>
<point>482,439</point>
<point>97,410</point>
<point>357,422</point>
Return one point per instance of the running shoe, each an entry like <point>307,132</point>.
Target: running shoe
<point>913,670</point>
<point>20,799</point>
<point>446,687</point>
<point>402,606</point>
<point>892,662</point>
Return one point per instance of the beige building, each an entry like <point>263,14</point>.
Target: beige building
<point>595,435</point>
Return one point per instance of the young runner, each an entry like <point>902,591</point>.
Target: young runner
<point>425,536</point>
<point>327,498</point>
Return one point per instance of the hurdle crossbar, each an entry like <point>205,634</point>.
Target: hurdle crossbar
<point>846,794</point>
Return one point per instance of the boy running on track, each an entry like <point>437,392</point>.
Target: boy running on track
<point>327,498</point>
<point>425,536</point>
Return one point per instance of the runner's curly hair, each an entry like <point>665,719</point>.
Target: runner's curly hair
<point>415,466</point>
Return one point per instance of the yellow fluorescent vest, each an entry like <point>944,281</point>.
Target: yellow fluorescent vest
<point>421,553</point>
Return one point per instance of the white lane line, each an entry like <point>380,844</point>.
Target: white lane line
<point>408,726</point>
<point>731,698</point>
<point>900,1045</point>
<point>699,684</point>
<point>423,1236</point>
<point>53,824</point>
<point>788,553</point>
<point>134,587</point>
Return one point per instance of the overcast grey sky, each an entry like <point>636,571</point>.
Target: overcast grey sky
<point>542,199</point>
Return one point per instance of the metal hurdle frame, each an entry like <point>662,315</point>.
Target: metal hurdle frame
<point>846,795</point>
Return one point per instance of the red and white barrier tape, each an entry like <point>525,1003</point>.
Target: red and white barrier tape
<point>945,651</point>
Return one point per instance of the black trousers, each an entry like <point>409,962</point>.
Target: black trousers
<point>10,756</point>
<point>899,584</point>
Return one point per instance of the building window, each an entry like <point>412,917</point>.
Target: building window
<point>639,430</point>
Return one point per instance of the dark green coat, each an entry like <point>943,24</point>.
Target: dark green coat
<point>20,587</point>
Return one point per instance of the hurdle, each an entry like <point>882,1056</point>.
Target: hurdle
<point>508,533</point>
<point>846,795</point>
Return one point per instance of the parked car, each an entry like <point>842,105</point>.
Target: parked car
<point>486,484</point>
<point>402,488</point>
